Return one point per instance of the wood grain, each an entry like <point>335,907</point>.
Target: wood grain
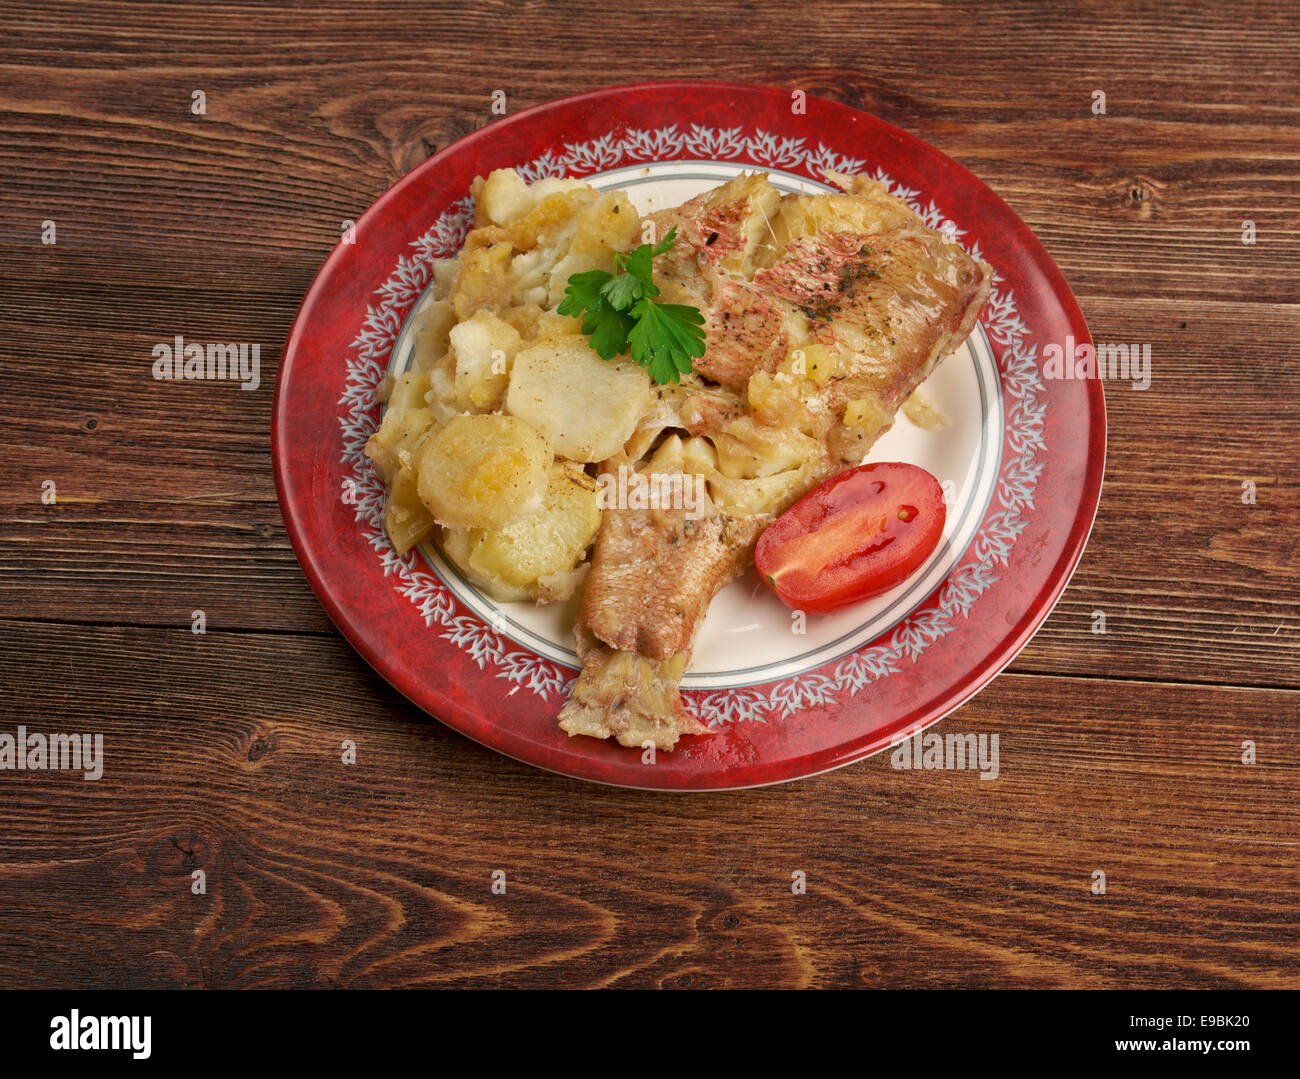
<point>1196,585</point>
<point>1120,752</point>
<point>379,873</point>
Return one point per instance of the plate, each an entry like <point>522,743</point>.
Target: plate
<point>1021,456</point>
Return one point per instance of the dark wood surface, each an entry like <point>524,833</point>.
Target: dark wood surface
<point>1119,752</point>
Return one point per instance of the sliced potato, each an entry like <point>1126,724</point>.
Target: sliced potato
<point>408,391</point>
<point>523,317</point>
<point>406,519</point>
<point>747,449</point>
<point>611,221</point>
<point>444,276</point>
<point>582,405</point>
<point>743,497</point>
<point>500,198</point>
<point>778,401</point>
<point>812,361</point>
<point>484,280</point>
<point>921,411</point>
<point>458,544</point>
<point>550,217</point>
<point>505,197</point>
<point>552,540</point>
<point>608,225</point>
<point>866,414</point>
<point>441,397</point>
<point>558,587</point>
<point>536,557</point>
<point>431,330</point>
<point>482,348</point>
<point>483,471</point>
<point>551,324</point>
<point>403,430</point>
<point>865,419</point>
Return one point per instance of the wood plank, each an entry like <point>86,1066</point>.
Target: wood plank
<point>167,505</point>
<point>1195,584</point>
<point>223,750</point>
<point>1145,200</point>
<point>379,873</point>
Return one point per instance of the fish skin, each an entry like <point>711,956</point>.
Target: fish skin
<point>717,232</point>
<point>892,314</point>
<point>654,573</point>
<point>628,697</point>
<point>746,330</point>
<point>890,302</point>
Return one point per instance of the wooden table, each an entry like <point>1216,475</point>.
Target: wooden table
<point>1120,752</point>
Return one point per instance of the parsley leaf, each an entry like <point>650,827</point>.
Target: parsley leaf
<point>638,263</point>
<point>623,291</point>
<point>619,314</point>
<point>665,339</point>
<point>583,293</point>
<point>609,330</point>
<point>666,244</point>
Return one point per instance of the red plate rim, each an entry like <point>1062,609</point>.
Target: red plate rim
<point>1035,269</point>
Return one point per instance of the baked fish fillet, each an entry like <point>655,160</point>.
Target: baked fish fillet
<point>823,314</point>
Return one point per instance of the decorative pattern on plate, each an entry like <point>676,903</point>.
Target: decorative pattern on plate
<point>1021,381</point>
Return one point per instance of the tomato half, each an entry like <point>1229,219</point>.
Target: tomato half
<point>857,535</point>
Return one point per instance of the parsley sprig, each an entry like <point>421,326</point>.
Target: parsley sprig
<point>620,314</point>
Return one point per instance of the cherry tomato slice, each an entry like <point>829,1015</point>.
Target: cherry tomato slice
<point>857,535</point>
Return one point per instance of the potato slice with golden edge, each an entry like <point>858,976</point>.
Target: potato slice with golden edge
<point>921,411</point>
<point>584,406</point>
<point>549,218</point>
<point>538,556</point>
<point>812,361</point>
<point>484,280</point>
<point>403,430</point>
<point>747,449</point>
<point>867,414</point>
<point>552,540</point>
<point>406,519</point>
<point>482,348</point>
<point>505,197</point>
<point>444,276</point>
<point>483,471</point>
